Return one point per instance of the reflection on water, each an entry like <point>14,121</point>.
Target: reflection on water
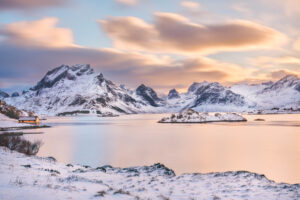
<point>270,147</point>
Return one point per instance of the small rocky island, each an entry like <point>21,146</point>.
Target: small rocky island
<point>191,116</point>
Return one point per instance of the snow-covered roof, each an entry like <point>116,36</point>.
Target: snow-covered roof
<point>28,118</point>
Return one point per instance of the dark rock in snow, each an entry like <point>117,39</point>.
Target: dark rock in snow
<point>148,94</point>
<point>50,158</point>
<point>79,100</point>
<point>173,94</point>
<point>3,94</point>
<point>52,77</point>
<point>215,93</point>
<point>15,94</point>
<point>193,87</point>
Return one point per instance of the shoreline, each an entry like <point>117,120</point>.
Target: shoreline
<point>23,127</point>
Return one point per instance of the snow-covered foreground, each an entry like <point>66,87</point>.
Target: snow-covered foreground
<point>24,177</point>
<point>191,116</point>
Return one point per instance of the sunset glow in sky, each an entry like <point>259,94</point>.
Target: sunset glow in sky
<point>164,44</point>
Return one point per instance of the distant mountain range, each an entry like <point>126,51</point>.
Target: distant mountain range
<point>78,89</point>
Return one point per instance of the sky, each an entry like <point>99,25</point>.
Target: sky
<point>164,44</point>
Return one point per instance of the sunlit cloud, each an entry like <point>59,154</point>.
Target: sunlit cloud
<point>291,7</point>
<point>239,7</point>
<point>29,4</point>
<point>128,2</point>
<point>173,33</point>
<point>276,67</point>
<point>277,60</point>
<point>37,33</point>
<point>278,74</point>
<point>297,45</point>
<point>191,5</point>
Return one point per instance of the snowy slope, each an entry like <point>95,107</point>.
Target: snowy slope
<point>284,93</point>
<point>24,177</point>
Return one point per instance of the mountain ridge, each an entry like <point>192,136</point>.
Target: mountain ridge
<point>78,88</point>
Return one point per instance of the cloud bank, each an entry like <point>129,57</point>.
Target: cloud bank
<point>173,33</point>
<point>29,4</point>
<point>37,33</point>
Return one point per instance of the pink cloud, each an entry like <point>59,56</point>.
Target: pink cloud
<point>173,33</point>
<point>37,33</point>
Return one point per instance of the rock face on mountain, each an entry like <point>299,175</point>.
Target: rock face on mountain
<point>3,95</point>
<point>15,94</point>
<point>78,89</point>
<point>215,93</point>
<point>12,112</point>
<point>149,95</point>
<point>173,94</point>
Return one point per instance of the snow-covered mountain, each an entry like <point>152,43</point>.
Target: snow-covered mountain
<point>281,94</point>
<point>206,96</point>
<point>78,89</point>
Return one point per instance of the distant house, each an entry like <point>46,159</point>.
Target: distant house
<point>30,120</point>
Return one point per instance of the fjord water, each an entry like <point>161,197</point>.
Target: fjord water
<point>270,147</point>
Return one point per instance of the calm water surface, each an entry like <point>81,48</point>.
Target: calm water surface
<point>270,147</point>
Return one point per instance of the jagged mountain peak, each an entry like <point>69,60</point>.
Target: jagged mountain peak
<point>173,94</point>
<point>63,72</point>
<point>148,94</point>
<point>215,93</point>
<point>15,94</point>
<point>290,77</point>
<point>77,89</point>
<point>196,85</point>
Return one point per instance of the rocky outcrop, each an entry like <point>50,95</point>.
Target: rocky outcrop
<point>149,95</point>
<point>3,95</point>
<point>13,112</point>
<point>215,93</point>
<point>15,94</point>
<point>173,94</point>
<point>191,116</point>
